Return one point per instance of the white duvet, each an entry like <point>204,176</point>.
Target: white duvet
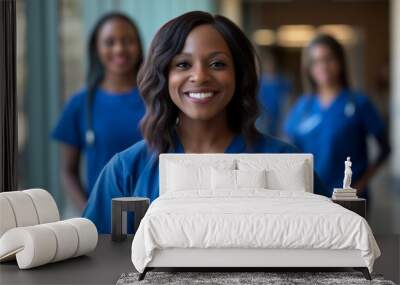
<point>254,218</point>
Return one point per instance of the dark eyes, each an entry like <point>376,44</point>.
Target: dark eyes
<point>218,64</point>
<point>183,65</point>
<point>215,65</point>
<point>111,41</point>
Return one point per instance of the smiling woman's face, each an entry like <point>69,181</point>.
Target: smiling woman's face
<point>201,78</point>
<point>118,47</point>
<point>325,68</point>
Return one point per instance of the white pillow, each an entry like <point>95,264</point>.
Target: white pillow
<point>237,179</point>
<point>184,175</point>
<point>288,174</point>
<point>294,180</point>
<point>223,179</point>
<point>251,178</point>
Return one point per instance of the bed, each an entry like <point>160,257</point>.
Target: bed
<point>246,211</point>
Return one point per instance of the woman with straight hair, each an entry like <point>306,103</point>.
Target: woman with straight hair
<point>333,121</point>
<point>199,83</point>
<point>103,118</point>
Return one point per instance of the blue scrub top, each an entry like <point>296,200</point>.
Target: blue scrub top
<point>134,172</point>
<point>335,132</point>
<point>115,120</point>
<point>272,96</point>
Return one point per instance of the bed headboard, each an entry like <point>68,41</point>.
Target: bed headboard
<point>278,162</point>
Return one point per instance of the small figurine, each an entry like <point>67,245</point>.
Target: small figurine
<point>345,193</point>
<point>347,174</point>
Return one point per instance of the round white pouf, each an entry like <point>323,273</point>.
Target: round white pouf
<point>67,240</point>
<point>87,233</point>
<point>23,208</point>
<point>40,244</point>
<point>46,207</point>
<point>32,246</point>
<point>7,218</point>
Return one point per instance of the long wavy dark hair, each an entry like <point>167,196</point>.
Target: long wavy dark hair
<point>158,124</point>
<point>96,71</point>
<point>339,54</point>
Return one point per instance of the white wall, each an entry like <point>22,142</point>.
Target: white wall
<point>395,86</point>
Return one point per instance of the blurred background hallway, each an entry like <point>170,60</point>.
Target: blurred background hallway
<point>51,64</point>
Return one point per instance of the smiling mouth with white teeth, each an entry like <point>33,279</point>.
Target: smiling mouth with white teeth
<point>200,97</point>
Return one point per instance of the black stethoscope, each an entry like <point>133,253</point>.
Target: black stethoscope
<point>90,136</point>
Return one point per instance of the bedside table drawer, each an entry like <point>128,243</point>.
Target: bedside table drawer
<point>358,206</point>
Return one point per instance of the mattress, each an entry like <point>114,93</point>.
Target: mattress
<point>251,219</point>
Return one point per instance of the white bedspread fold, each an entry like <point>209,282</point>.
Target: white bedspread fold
<point>252,218</point>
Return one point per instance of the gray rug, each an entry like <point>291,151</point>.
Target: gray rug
<point>231,278</point>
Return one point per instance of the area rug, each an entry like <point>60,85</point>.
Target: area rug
<point>243,278</point>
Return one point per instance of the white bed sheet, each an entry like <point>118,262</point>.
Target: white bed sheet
<point>252,218</point>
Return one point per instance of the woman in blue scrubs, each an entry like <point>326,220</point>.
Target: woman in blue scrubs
<point>333,121</point>
<point>103,118</point>
<point>199,83</point>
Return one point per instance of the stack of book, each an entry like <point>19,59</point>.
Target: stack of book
<point>344,194</point>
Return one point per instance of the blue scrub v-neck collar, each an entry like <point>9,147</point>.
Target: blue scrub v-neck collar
<point>237,145</point>
<point>342,93</point>
<point>109,94</point>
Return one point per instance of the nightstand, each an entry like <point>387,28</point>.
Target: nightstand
<point>357,205</point>
<point>119,206</point>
